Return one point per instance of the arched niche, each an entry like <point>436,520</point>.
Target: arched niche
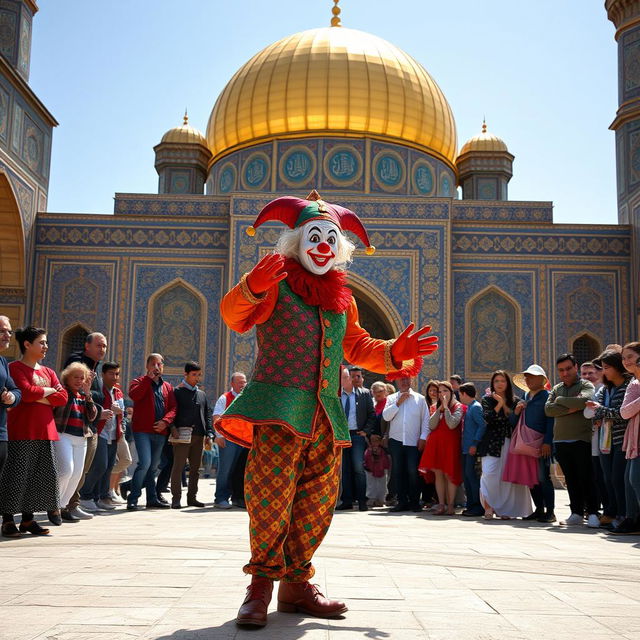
<point>71,340</point>
<point>493,321</point>
<point>585,347</point>
<point>378,315</point>
<point>12,258</point>
<point>176,325</point>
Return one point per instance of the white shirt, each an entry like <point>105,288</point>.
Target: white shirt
<point>110,426</point>
<point>409,422</point>
<point>221,405</point>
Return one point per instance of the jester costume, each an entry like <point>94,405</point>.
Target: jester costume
<point>290,413</point>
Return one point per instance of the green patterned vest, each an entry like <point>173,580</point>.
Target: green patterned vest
<point>297,371</point>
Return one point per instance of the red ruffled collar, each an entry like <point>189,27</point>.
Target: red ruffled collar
<point>327,291</point>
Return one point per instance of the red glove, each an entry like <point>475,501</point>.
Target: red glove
<point>410,345</point>
<point>266,273</point>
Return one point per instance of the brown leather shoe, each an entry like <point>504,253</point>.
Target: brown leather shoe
<point>306,598</point>
<point>253,611</point>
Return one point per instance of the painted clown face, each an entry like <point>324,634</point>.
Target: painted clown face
<point>318,246</point>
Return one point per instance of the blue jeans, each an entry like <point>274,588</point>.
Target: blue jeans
<point>471,483</point>
<point>229,455</point>
<point>632,486</point>
<point>404,469</point>
<point>613,468</point>
<point>96,484</point>
<point>89,489</point>
<point>543,494</point>
<point>354,479</point>
<point>149,448</point>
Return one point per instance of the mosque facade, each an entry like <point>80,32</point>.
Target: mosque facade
<point>356,118</point>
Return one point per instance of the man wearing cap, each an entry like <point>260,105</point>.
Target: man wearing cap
<point>290,412</point>
<point>533,381</point>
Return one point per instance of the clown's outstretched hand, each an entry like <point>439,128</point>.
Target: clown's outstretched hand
<point>412,345</point>
<point>268,272</point>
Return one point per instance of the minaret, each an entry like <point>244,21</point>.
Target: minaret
<point>182,158</point>
<point>16,18</point>
<point>485,167</point>
<point>625,15</point>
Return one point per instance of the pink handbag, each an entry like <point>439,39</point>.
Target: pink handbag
<point>526,441</point>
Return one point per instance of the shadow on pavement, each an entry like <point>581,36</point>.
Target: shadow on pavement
<point>272,630</point>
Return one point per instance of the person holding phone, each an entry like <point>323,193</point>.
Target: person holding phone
<point>154,406</point>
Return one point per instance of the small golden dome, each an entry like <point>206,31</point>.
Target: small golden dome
<point>484,142</point>
<point>185,134</point>
<point>332,81</point>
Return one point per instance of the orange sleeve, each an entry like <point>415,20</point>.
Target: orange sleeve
<point>363,350</point>
<point>241,309</point>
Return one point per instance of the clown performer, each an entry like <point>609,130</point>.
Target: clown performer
<point>290,413</point>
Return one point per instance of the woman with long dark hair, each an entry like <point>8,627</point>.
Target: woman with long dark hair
<point>29,482</point>
<point>506,499</point>
<point>606,408</point>
<point>442,451</point>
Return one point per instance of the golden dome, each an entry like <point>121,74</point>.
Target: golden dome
<point>185,134</point>
<point>484,142</point>
<point>332,81</point>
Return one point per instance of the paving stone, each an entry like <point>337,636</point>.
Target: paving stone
<point>167,575</point>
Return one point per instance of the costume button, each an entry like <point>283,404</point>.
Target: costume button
<point>326,362</point>
<point>328,342</point>
<point>325,384</point>
<point>327,322</point>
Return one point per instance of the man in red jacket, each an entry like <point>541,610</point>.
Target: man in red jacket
<point>154,410</point>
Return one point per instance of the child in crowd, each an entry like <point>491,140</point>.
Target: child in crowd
<point>376,465</point>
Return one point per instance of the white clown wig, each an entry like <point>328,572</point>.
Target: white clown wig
<point>289,245</point>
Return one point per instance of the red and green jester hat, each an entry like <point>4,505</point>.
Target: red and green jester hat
<point>307,324</point>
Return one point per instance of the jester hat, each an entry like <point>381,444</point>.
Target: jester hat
<point>295,212</point>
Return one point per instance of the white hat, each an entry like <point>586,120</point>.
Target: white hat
<point>534,370</point>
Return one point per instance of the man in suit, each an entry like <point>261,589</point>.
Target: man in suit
<point>361,418</point>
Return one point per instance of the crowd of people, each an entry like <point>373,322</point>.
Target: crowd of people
<point>490,455</point>
<point>76,445</point>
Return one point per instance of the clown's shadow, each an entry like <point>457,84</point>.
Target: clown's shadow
<point>274,629</point>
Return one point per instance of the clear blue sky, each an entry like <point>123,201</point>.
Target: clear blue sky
<point>117,74</point>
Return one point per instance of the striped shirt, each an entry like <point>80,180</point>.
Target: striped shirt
<point>611,401</point>
<point>76,420</point>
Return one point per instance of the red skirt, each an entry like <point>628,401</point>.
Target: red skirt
<point>443,452</point>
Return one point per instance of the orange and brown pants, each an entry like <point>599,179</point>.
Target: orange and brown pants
<point>291,489</point>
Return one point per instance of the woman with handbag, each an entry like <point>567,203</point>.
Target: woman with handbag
<point>506,499</point>
<point>533,381</point>
<point>611,429</point>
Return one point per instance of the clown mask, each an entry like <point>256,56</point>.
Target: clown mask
<point>318,246</point>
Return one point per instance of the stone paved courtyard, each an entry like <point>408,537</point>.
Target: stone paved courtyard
<point>176,576</point>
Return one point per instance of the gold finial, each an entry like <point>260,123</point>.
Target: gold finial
<point>185,119</point>
<point>314,195</point>
<point>335,21</point>
<point>484,126</point>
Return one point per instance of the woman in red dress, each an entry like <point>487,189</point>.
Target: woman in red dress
<point>442,451</point>
<point>427,477</point>
<point>29,481</point>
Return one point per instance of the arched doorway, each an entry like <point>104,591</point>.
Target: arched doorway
<point>586,347</point>
<point>12,259</point>
<point>377,316</point>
